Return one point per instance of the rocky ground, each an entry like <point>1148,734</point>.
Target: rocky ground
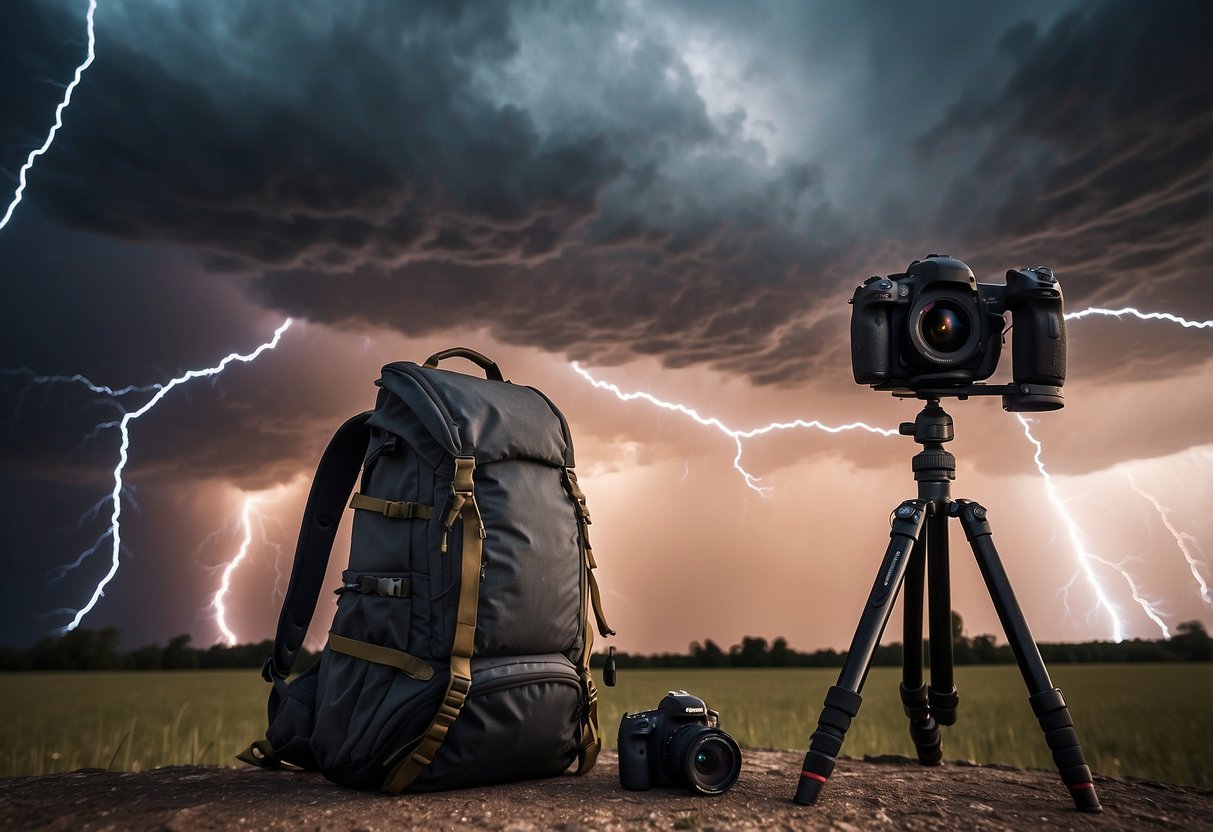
<point>871,794</point>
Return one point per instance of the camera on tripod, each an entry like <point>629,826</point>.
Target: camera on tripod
<point>930,333</point>
<point>934,327</point>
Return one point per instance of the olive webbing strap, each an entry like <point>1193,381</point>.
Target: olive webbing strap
<point>460,682</point>
<point>590,742</point>
<point>396,509</point>
<point>583,515</point>
<point>406,663</point>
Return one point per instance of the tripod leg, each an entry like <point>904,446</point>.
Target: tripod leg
<point>1046,701</point>
<point>942,692</point>
<point>924,730</point>
<point>843,699</point>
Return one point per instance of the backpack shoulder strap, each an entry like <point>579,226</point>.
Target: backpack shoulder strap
<point>335,478</point>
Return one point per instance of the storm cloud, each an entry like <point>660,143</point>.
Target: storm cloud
<point>569,181</point>
<point>643,187</point>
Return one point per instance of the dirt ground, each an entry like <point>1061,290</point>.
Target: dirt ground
<point>870,794</point>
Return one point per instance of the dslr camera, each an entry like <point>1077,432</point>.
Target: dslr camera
<point>935,327</point>
<point>679,744</point>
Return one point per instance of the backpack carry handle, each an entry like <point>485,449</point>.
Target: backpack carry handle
<point>491,370</point>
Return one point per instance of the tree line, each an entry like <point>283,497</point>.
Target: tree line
<point>83,649</point>
<point>1191,643</point>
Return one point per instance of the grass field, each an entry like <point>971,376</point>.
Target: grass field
<point>1151,721</point>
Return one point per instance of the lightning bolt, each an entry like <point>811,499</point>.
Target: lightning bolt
<point>67,99</point>
<point>246,522</point>
<point>736,435</point>
<point>35,379</point>
<point>60,572</point>
<point>1181,539</point>
<point>75,378</point>
<point>1085,557</point>
<point>1145,316</point>
<point>115,530</point>
<point>38,380</point>
<point>251,521</point>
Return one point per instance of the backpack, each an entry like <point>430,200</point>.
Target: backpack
<point>460,651</point>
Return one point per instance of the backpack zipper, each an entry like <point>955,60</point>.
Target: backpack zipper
<point>388,446</point>
<point>506,682</point>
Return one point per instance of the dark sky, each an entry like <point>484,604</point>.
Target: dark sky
<point>681,196</point>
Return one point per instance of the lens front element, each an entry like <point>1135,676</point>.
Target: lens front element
<point>707,758</point>
<point>944,327</point>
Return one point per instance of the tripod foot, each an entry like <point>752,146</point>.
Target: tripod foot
<point>1085,799</point>
<point>809,788</point>
<point>1054,718</point>
<point>924,728</point>
<point>840,708</point>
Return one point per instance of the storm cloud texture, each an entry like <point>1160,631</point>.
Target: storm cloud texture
<point>691,187</point>
<point>560,177</point>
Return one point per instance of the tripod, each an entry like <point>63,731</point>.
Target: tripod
<point>919,536</point>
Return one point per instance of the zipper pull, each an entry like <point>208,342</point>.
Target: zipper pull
<point>457,501</point>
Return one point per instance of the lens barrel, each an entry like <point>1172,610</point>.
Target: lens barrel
<point>707,759</point>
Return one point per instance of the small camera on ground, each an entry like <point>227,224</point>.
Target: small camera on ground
<point>679,744</point>
<point>935,326</point>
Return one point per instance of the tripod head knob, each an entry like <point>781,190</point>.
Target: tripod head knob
<point>932,425</point>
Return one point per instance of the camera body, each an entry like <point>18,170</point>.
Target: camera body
<point>679,743</point>
<point>935,326</point>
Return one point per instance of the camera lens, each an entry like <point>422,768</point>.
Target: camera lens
<point>944,327</point>
<point>707,759</point>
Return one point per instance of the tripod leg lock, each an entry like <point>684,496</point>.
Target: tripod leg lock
<point>840,708</point>
<point>944,704</point>
<point>1054,718</point>
<point>973,518</point>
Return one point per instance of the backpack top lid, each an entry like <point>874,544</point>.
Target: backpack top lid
<point>444,414</point>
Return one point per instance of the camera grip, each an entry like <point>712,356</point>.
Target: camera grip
<point>870,344</point>
<point>1038,347</point>
<point>633,758</point>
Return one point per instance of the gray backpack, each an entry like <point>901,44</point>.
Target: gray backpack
<point>460,651</point>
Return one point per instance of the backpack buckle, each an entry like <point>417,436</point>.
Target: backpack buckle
<point>391,587</point>
<point>463,493</point>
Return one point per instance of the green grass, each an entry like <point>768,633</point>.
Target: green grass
<point>1152,721</point>
<point>129,721</point>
